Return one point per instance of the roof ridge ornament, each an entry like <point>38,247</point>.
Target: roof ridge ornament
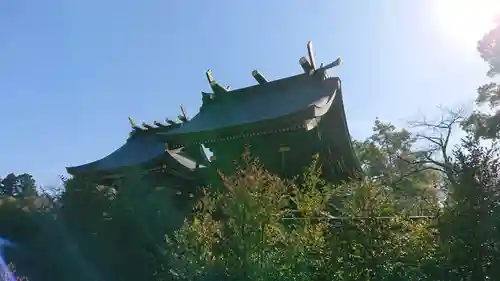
<point>148,126</point>
<point>259,77</point>
<point>159,124</point>
<point>335,63</point>
<point>306,66</point>
<point>309,66</point>
<point>132,122</point>
<point>134,125</point>
<point>310,52</point>
<point>184,114</point>
<point>172,122</point>
<point>216,88</point>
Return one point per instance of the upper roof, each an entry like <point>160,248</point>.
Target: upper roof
<point>308,94</point>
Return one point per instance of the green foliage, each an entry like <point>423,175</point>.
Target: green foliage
<point>236,234</point>
<point>267,229</point>
<point>390,156</point>
<point>374,246</point>
<point>260,227</point>
<point>26,221</point>
<point>469,226</point>
<point>113,228</point>
<point>18,185</point>
<point>485,122</point>
<point>489,49</point>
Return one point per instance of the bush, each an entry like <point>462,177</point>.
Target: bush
<point>264,228</point>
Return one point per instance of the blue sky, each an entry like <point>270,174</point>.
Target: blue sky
<point>71,72</point>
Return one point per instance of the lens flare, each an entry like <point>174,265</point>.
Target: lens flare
<point>5,273</point>
<point>464,21</point>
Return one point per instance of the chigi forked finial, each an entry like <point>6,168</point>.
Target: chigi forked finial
<point>310,52</point>
<point>309,65</point>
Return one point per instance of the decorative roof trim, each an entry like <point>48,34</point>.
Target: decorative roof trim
<point>259,77</point>
<point>255,134</point>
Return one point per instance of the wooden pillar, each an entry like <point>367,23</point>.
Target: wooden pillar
<point>282,150</point>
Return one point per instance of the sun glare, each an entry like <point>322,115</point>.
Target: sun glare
<point>465,21</point>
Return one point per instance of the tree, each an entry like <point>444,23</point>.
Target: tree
<point>417,164</point>
<point>470,224</point>
<point>435,137</point>
<point>263,228</point>
<point>28,221</point>
<point>391,157</point>
<point>118,227</point>
<point>485,123</point>
<point>259,228</point>
<point>9,185</point>
<point>18,185</point>
<point>27,184</point>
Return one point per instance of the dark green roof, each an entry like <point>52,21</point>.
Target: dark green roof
<point>304,94</point>
<point>335,133</point>
<point>138,150</point>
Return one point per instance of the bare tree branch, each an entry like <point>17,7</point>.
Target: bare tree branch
<point>436,136</point>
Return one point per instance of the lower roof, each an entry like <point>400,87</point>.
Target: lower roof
<point>138,150</point>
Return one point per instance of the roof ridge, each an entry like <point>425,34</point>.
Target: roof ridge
<point>156,126</point>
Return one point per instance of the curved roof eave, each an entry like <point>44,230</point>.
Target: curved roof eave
<point>322,109</point>
<point>135,151</point>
